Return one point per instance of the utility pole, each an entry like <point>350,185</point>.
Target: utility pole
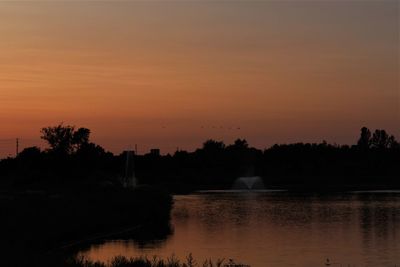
<point>135,149</point>
<point>17,147</point>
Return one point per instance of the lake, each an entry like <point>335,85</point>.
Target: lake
<point>275,229</point>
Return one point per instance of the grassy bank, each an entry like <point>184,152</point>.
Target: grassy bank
<point>37,223</point>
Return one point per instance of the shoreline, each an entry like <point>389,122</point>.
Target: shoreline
<point>41,223</point>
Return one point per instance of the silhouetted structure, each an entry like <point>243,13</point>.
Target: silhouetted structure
<point>155,152</point>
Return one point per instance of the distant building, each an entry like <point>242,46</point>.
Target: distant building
<point>155,152</point>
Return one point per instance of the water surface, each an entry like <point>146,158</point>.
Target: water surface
<point>277,229</point>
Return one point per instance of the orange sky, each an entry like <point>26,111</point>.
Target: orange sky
<point>172,74</point>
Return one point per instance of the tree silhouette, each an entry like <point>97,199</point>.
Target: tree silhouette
<point>393,143</point>
<point>64,139</point>
<point>213,146</point>
<point>240,144</point>
<point>29,152</point>
<point>72,157</point>
<point>59,138</point>
<point>380,139</point>
<point>365,139</point>
<point>81,137</point>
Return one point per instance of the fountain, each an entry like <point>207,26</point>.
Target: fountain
<point>249,183</point>
<point>129,180</point>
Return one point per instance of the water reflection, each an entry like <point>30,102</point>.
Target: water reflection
<point>276,229</point>
<point>378,220</point>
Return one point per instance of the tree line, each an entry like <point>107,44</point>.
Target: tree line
<point>71,157</point>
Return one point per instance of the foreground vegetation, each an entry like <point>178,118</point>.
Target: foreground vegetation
<point>153,262</point>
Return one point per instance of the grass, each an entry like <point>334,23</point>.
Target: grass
<point>172,261</point>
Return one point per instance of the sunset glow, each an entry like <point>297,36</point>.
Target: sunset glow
<point>173,74</point>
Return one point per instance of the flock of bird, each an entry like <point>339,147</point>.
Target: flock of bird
<point>214,127</point>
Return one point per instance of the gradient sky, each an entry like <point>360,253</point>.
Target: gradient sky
<point>172,74</point>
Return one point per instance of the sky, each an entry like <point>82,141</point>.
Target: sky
<point>172,74</point>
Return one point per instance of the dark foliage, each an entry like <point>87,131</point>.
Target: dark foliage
<point>374,160</point>
<point>73,189</point>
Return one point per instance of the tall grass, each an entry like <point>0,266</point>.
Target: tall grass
<point>172,261</point>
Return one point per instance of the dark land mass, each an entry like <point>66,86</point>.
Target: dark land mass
<point>40,228</point>
<point>74,192</point>
<point>372,163</point>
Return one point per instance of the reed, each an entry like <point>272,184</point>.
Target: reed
<point>173,261</point>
